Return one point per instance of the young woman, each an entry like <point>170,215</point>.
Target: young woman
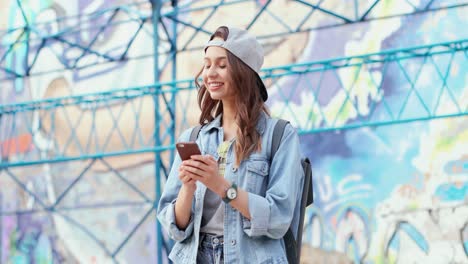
<point>233,204</point>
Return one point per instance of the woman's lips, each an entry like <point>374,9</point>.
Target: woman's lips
<point>213,86</point>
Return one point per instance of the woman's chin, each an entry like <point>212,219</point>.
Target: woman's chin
<point>216,95</point>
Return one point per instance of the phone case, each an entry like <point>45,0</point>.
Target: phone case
<point>187,149</point>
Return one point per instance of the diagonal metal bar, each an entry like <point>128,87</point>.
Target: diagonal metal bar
<point>73,136</point>
<point>10,47</point>
<point>279,20</point>
<point>374,103</point>
<point>8,51</point>
<point>129,44</point>
<point>411,4</point>
<point>259,13</point>
<point>23,14</point>
<point>10,72</point>
<point>199,28</point>
<point>347,97</point>
<point>92,132</point>
<point>37,52</point>
<point>328,12</point>
<point>115,127</point>
<point>444,84</point>
<point>366,13</point>
<point>286,99</point>
<point>87,232</point>
<point>122,178</point>
<point>137,113</point>
<point>25,188</point>
<point>135,228</point>
<point>306,17</point>
<point>83,48</point>
<point>412,88</point>
<point>428,5</point>
<point>73,183</point>
<point>91,43</point>
<point>316,96</point>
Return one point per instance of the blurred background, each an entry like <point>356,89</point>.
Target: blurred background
<point>95,93</point>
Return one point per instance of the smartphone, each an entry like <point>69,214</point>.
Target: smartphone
<point>187,149</point>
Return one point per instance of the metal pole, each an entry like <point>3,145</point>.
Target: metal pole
<point>156,13</point>
<point>174,77</point>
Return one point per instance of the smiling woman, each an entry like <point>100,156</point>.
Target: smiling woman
<point>233,192</point>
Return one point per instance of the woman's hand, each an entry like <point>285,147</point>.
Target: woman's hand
<point>184,200</point>
<point>204,168</point>
<point>188,183</point>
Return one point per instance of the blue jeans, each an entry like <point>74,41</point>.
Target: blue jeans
<point>210,249</point>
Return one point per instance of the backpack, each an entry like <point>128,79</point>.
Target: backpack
<point>293,246</point>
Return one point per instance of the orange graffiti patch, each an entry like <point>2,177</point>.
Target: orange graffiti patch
<point>20,144</point>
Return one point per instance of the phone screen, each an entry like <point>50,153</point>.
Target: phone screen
<point>187,149</point>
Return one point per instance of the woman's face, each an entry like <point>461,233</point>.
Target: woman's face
<point>216,76</point>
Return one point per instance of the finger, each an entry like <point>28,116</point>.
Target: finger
<point>186,179</point>
<point>194,170</point>
<point>183,177</point>
<point>211,160</point>
<point>203,158</point>
<point>203,167</point>
<point>194,176</point>
<point>197,157</point>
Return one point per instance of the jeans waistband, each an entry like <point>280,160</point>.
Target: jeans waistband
<point>207,239</point>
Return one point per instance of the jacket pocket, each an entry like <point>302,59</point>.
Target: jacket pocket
<point>257,176</point>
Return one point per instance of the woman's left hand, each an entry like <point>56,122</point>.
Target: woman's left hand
<point>204,168</point>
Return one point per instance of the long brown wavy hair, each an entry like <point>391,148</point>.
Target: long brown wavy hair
<point>248,101</point>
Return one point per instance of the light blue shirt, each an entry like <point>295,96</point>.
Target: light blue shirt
<point>274,189</point>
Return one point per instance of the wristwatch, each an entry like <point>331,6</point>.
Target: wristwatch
<point>230,194</point>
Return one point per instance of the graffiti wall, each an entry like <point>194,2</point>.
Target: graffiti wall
<point>389,193</point>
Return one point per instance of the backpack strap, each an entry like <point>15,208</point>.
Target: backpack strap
<point>277,136</point>
<point>289,240</point>
<point>195,132</point>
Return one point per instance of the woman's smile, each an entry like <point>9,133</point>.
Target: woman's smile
<point>214,86</point>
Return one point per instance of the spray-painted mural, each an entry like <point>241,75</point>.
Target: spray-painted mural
<point>390,193</point>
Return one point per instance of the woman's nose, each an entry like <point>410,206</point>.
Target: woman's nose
<point>211,71</point>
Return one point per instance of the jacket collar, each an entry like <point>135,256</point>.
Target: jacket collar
<point>216,124</point>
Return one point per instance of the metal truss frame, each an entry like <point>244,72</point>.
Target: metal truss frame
<point>425,56</point>
<point>35,37</point>
<point>163,23</point>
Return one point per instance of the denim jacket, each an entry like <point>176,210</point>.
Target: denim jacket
<point>274,188</point>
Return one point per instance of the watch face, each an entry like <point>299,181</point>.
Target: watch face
<point>231,193</point>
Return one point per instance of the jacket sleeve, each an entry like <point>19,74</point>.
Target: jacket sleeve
<point>166,206</point>
<point>272,215</point>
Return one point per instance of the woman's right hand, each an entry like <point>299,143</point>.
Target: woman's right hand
<point>187,183</point>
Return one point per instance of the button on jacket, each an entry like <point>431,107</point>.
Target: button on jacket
<point>274,188</point>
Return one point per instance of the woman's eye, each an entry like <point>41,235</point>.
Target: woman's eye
<point>222,66</point>
<point>207,66</point>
